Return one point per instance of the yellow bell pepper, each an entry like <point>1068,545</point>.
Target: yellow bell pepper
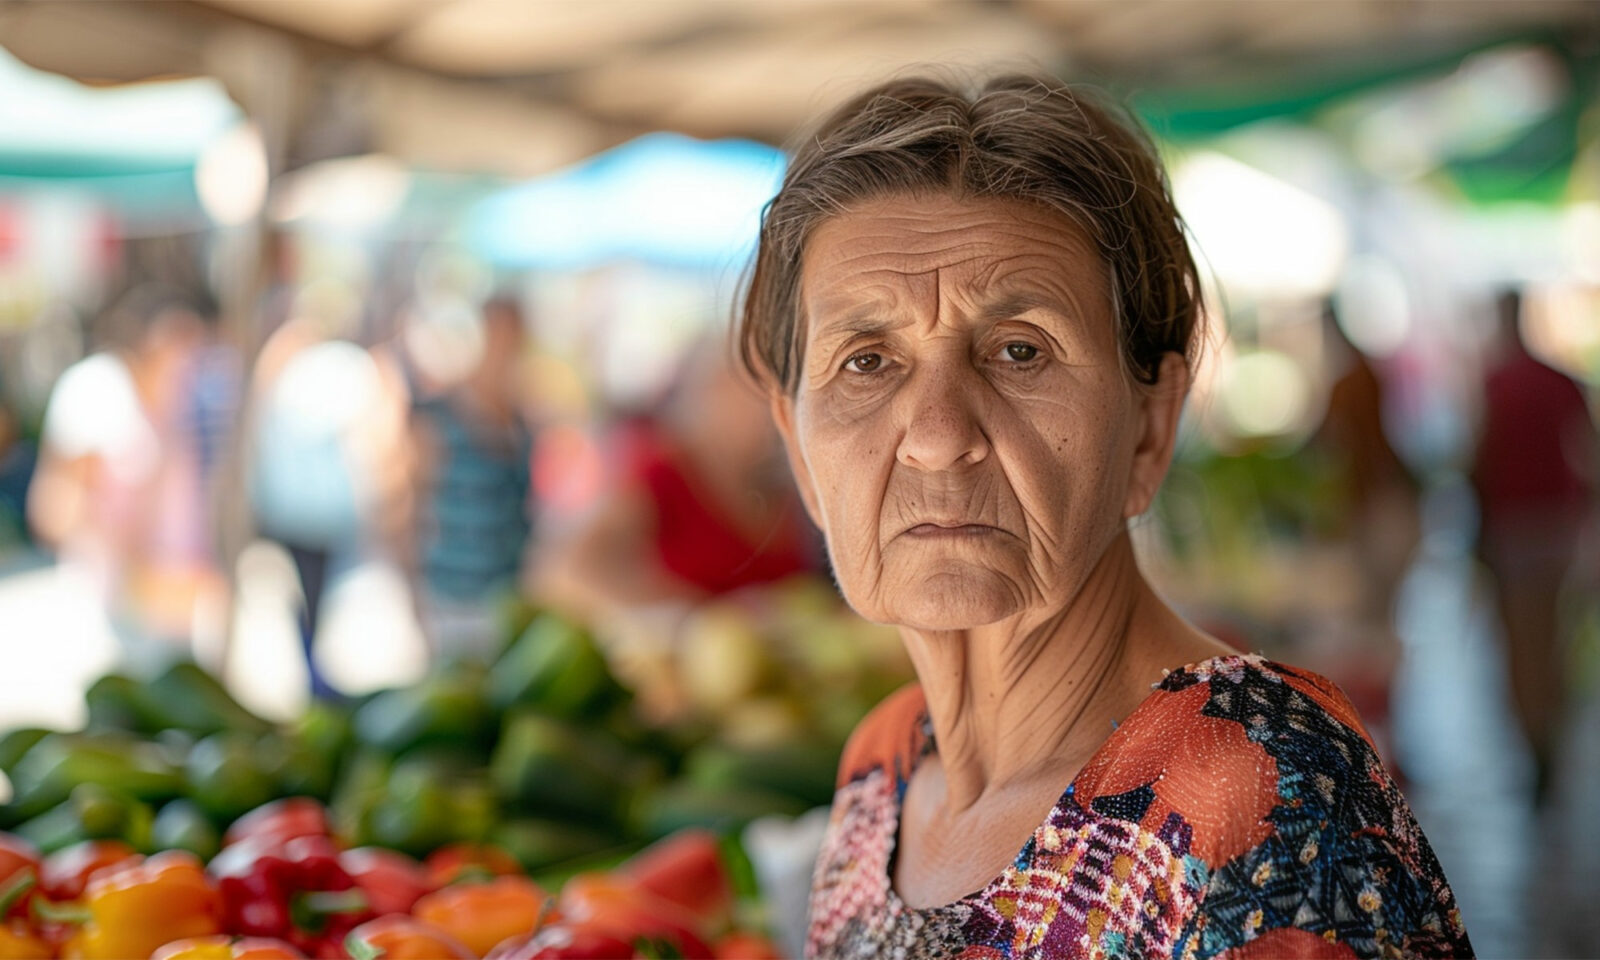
<point>136,908</point>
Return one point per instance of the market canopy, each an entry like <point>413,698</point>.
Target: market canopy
<point>524,88</point>
<point>136,146</point>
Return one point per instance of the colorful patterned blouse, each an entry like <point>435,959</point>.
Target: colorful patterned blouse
<point>1240,811</point>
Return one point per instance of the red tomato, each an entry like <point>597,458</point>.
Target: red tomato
<point>564,941</point>
<point>619,906</point>
<point>392,881</point>
<point>687,869</point>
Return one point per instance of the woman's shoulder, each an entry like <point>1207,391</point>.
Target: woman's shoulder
<point>1263,778</point>
<point>1215,743</point>
<point>890,737</point>
<point>1298,687</point>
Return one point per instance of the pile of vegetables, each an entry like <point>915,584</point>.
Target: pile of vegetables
<point>370,827</point>
<point>282,887</point>
<point>541,752</point>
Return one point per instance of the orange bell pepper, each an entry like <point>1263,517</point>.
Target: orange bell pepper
<point>742,945</point>
<point>18,942</point>
<point>399,937</point>
<point>133,909</point>
<point>481,915</point>
<point>618,905</point>
<point>223,946</point>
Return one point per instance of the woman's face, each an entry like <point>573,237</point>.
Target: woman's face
<point>963,431</point>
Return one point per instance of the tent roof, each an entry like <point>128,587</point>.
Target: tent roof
<point>527,86</point>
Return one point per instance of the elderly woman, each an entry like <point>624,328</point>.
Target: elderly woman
<point>975,313</point>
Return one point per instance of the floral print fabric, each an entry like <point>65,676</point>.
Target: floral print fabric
<point>1240,812</point>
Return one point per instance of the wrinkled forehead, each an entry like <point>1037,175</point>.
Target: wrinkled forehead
<point>899,251</point>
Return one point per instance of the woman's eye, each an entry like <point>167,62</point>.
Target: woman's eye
<point>864,363</point>
<point>1021,352</point>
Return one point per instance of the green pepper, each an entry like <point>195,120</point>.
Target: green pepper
<point>556,668</point>
<point>92,812</point>
<point>429,801</point>
<point>47,774</point>
<point>545,766</point>
<point>361,787</point>
<point>446,708</point>
<point>801,770</point>
<point>313,749</point>
<point>16,743</point>
<point>119,702</point>
<point>677,806</point>
<point>228,776</point>
<point>185,697</point>
<point>182,825</point>
<point>539,844</point>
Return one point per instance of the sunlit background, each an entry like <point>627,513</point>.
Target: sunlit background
<point>1362,181</point>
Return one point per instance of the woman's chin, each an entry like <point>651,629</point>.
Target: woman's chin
<point>945,603</point>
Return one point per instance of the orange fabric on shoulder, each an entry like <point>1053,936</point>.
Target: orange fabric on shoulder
<point>1204,768</point>
<point>1290,943</point>
<point>889,737</point>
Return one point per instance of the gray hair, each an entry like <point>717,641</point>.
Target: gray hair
<point>1014,137</point>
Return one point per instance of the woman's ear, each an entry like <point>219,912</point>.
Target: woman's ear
<point>1161,406</point>
<point>783,415</point>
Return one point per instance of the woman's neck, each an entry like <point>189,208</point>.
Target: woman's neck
<point>1011,700</point>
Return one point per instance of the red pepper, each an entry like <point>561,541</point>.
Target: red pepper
<point>65,873</point>
<point>19,874</point>
<point>622,908</point>
<point>565,941</point>
<point>297,892</point>
<point>392,881</point>
<point>281,821</point>
<point>687,869</point>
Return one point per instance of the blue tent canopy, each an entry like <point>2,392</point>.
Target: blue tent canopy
<point>663,198</point>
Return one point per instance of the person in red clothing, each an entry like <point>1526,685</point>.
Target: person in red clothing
<point>698,503</point>
<point>1533,474</point>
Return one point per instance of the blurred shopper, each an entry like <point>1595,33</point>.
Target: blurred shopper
<point>17,459</point>
<point>119,489</point>
<point>318,441</point>
<point>1380,494</point>
<point>1380,520</point>
<point>472,446</point>
<point>699,502</point>
<point>1534,476</point>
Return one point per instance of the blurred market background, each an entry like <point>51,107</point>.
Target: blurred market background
<point>345,347</point>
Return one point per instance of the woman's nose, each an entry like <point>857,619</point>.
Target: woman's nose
<point>943,427</point>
